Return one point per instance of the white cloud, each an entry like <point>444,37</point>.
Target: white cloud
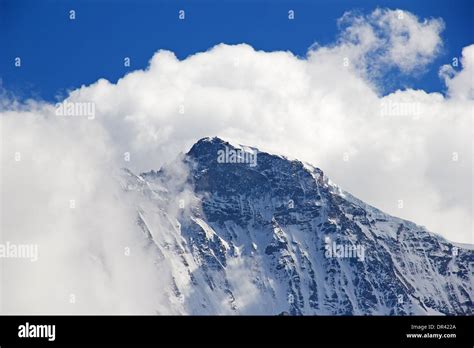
<point>386,39</point>
<point>80,243</point>
<point>400,146</point>
<point>460,84</point>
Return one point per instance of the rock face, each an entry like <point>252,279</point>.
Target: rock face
<point>261,234</point>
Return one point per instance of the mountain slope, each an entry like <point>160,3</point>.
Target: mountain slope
<point>247,232</point>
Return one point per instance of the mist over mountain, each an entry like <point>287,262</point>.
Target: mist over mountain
<point>247,232</point>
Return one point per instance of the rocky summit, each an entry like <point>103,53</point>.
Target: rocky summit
<point>242,231</point>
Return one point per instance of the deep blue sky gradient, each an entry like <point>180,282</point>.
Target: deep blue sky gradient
<point>59,54</point>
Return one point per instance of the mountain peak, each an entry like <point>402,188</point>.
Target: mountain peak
<point>216,150</point>
<point>307,247</point>
<point>214,140</point>
<point>206,145</point>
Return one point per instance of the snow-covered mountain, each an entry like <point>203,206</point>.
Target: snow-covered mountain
<point>247,232</point>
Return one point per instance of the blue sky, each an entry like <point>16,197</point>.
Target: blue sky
<point>59,54</point>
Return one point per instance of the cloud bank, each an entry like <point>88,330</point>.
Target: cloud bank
<point>408,153</point>
<point>387,39</point>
